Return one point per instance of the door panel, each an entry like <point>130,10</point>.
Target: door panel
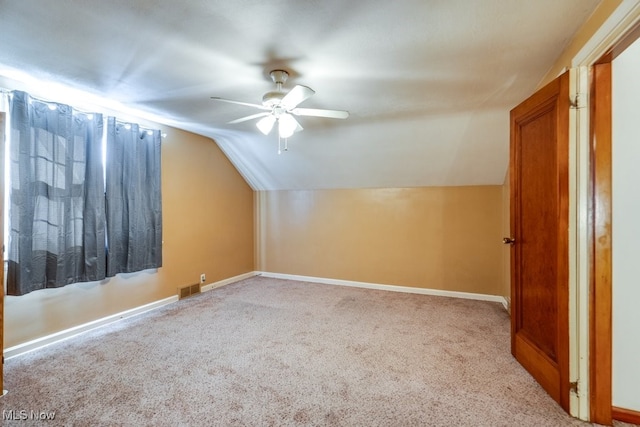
<point>539,224</point>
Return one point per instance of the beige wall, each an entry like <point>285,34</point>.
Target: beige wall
<point>437,237</point>
<point>208,228</point>
<point>505,289</point>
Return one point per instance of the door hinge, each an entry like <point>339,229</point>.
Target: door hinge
<point>573,387</point>
<point>578,101</point>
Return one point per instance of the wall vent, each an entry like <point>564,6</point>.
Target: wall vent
<point>189,290</point>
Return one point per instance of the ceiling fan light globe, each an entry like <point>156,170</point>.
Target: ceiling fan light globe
<point>266,124</point>
<point>286,125</point>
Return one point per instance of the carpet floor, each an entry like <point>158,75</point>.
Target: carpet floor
<point>269,352</point>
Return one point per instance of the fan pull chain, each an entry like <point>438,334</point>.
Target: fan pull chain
<point>286,144</point>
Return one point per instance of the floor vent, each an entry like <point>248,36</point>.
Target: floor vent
<point>187,291</point>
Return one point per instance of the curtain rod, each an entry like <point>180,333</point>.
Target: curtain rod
<point>9,91</point>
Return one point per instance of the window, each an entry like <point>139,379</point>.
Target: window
<point>60,216</point>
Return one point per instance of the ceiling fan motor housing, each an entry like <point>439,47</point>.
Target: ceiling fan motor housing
<point>272,98</point>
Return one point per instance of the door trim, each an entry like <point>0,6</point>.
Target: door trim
<point>579,245</point>
<point>626,415</point>
<point>606,42</point>
<point>600,375</point>
<point>2,142</point>
<point>601,307</point>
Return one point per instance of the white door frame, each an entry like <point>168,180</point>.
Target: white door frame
<point>626,15</point>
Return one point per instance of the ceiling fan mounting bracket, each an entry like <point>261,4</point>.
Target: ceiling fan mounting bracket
<point>279,77</point>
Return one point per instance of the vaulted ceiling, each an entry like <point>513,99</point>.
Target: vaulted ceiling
<point>428,83</point>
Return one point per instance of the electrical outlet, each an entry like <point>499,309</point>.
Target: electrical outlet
<point>203,278</point>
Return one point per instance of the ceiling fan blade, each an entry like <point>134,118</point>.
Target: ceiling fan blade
<point>315,112</point>
<point>296,95</point>
<point>248,104</point>
<point>244,119</point>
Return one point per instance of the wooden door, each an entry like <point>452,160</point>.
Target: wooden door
<point>539,227</point>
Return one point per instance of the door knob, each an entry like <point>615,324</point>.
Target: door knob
<point>508,240</point>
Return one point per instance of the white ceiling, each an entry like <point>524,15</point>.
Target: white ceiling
<point>428,83</point>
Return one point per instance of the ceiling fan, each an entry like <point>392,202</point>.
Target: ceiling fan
<point>280,107</point>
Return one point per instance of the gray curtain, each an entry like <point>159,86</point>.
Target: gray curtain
<point>134,202</point>
<point>57,223</point>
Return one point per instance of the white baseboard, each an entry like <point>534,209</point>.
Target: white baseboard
<point>506,302</point>
<point>228,281</point>
<point>393,288</point>
<point>77,330</point>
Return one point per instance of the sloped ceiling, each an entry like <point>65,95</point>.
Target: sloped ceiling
<point>428,83</point>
